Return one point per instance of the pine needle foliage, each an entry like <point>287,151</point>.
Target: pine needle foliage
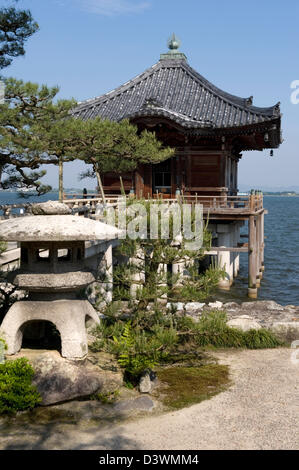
<point>146,255</point>
<point>16,26</point>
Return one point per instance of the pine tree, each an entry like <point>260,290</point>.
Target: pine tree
<point>145,277</point>
<point>16,26</point>
<point>117,147</point>
<point>33,132</point>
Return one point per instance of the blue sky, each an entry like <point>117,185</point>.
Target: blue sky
<point>89,47</point>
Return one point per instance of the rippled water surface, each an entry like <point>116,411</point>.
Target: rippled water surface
<point>281,277</point>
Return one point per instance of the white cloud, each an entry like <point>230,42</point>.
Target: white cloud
<point>114,7</point>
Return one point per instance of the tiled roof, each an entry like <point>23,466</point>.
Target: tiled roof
<point>173,89</point>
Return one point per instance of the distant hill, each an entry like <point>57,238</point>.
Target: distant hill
<point>271,189</point>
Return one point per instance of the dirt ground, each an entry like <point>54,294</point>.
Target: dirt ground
<point>259,411</point>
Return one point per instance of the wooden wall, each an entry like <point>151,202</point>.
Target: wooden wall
<point>193,171</point>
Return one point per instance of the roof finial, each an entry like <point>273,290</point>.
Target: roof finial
<point>173,44</point>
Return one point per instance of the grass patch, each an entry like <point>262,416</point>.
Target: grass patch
<point>212,330</point>
<point>185,386</point>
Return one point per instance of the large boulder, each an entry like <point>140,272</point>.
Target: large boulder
<point>260,305</point>
<point>286,331</point>
<point>244,323</point>
<point>50,208</point>
<point>58,380</point>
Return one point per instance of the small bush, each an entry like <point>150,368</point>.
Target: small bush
<point>16,390</point>
<point>212,330</point>
<point>133,361</point>
<point>155,337</point>
<point>261,339</point>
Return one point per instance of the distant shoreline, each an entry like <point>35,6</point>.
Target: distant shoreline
<point>280,195</point>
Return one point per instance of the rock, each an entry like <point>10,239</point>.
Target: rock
<point>244,323</point>
<point>231,305</point>
<point>148,381</point>
<point>178,306</point>
<point>144,403</point>
<point>194,306</point>
<point>50,208</point>
<point>104,361</point>
<point>286,331</point>
<point>59,380</point>
<point>216,304</point>
<point>145,384</point>
<point>262,305</point>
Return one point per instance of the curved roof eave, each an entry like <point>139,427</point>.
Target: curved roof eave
<point>92,107</point>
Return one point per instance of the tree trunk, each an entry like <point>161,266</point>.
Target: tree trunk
<point>100,185</point>
<point>122,189</point>
<point>60,179</point>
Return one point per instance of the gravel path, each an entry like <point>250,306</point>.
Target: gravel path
<point>260,411</point>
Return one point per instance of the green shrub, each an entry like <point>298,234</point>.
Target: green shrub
<point>16,390</point>
<point>261,339</point>
<point>212,330</point>
<point>133,361</point>
<point>153,337</point>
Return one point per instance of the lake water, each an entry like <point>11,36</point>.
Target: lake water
<point>281,277</point>
<point>7,197</point>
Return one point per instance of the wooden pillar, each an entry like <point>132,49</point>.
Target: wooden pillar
<point>258,251</point>
<point>178,176</point>
<point>262,241</point>
<point>189,174</point>
<point>148,173</point>
<point>139,182</point>
<point>224,258</point>
<point>173,169</point>
<point>252,261</point>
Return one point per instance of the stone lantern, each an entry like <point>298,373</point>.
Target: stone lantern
<point>53,271</point>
